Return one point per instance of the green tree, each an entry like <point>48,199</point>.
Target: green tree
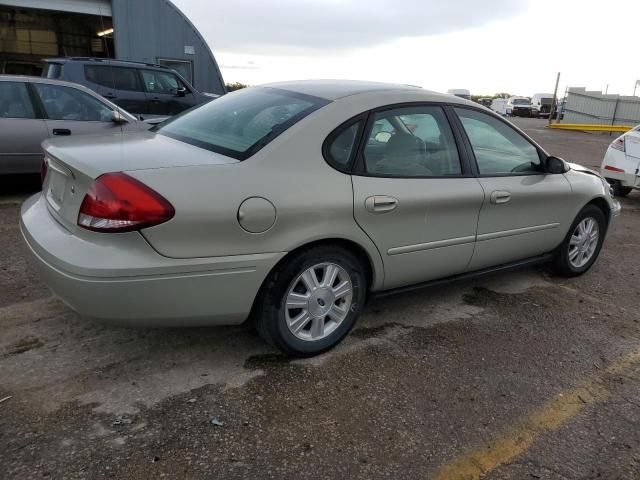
<point>235,86</point>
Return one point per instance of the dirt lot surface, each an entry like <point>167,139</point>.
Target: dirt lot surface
<point>516,376</point>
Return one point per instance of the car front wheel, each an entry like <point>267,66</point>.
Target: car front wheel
<point>311,302</point>
<point>583,243</point>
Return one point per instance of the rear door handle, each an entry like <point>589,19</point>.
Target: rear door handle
<point>61,131</point>
<point>380,204</point>
<point>500,196</point>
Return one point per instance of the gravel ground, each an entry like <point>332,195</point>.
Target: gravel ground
<point>426,378</point>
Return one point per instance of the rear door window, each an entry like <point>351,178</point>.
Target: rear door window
<point>411,142</point>
<point>117,78</point>
<point>15,101</point>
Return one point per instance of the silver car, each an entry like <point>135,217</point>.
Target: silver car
<point>33,109</point>
<point>291,203</point>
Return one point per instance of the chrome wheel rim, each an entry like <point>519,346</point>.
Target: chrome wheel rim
<point>318,301</point>
<point>583,243</point>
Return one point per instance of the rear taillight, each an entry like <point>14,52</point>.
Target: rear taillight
<point>43,169</point>
<point>618,144</point>
<point>117,202</point>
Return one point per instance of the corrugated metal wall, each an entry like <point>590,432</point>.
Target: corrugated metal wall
<point>595,107</point>
<point>146,30</point>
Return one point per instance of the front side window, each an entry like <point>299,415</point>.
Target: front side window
<point>161,82</point>
<point>15,101</point>
<point>68,103</point>
<point>498,148</point>
<point>241,123</point>
<point>411,142</point>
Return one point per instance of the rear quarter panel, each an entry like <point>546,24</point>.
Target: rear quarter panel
<point>313,201</point>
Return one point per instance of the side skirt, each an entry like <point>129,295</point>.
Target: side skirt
<point>467,276</point>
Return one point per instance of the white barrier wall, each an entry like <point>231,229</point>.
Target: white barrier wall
<point>584,106</point>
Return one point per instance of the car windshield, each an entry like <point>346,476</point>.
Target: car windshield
<point>521,101</point>
<point>240,124</point>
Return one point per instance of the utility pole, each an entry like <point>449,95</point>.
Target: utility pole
<point>554,103</point>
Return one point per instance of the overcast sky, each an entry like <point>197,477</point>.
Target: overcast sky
<point>487,46</point>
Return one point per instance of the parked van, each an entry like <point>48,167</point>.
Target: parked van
<point>541,105</point>
<point>460,92</point>
<point>499,105</point>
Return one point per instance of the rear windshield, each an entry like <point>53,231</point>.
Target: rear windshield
<point>240,124</point>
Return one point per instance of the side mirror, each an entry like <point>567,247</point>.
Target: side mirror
<point>181,91</point>
<point>556,165</point>
<point>118,118</point>
<point>382,137</point>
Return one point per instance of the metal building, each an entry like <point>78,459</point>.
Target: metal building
<point>583,106</point>
<point>150,31</point>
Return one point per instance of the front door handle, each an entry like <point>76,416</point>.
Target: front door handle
<point>500,196</point>
<point>61,131</point>
<point>109,95</point>
<point>380,204</point>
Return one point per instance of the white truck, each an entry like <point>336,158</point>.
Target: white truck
<point>519,107</point>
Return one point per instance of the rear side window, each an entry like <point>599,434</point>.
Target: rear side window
<point>241,123</point>
<point>118,78</point>
<point>52,70</point>
<point>342,146</point>
<point>15,101</point>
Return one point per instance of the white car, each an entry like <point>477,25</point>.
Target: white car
<point>621,163</point>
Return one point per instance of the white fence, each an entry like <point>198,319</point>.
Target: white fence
<point>596,107</point>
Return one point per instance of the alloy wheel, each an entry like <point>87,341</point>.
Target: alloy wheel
<point>318,301</point>
<point>584,242</point>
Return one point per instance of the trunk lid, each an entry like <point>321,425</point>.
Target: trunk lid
<point>74,163</point>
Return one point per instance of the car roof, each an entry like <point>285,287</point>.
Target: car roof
<point>335,89</point>
<point>106,61</point>
<point>51,81</point>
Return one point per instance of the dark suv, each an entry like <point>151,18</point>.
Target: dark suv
<point>140,88</point>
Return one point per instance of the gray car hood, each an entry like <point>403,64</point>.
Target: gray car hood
<point>581,169</point>
<point>94,155</point>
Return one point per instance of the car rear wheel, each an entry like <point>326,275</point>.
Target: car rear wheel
<point>618,189</point>
<point>311,302</point>
<point>583,243</point>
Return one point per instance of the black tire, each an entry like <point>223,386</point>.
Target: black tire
<point>618,189</point>
<point>562,265</point>
<point>269,309</point>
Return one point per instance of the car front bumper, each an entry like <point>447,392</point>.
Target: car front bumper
<point>119,278</point>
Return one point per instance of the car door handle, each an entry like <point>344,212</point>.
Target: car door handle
<point>109,95</point>
<point>500,196</point>
<point>380,204</point>
<point>61,131</point>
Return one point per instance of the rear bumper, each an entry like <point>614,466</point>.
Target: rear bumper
<point>119,278</point>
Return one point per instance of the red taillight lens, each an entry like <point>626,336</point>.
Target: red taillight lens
<point>618,144</point>
<point>43,169</point>
<point>117,202</point>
